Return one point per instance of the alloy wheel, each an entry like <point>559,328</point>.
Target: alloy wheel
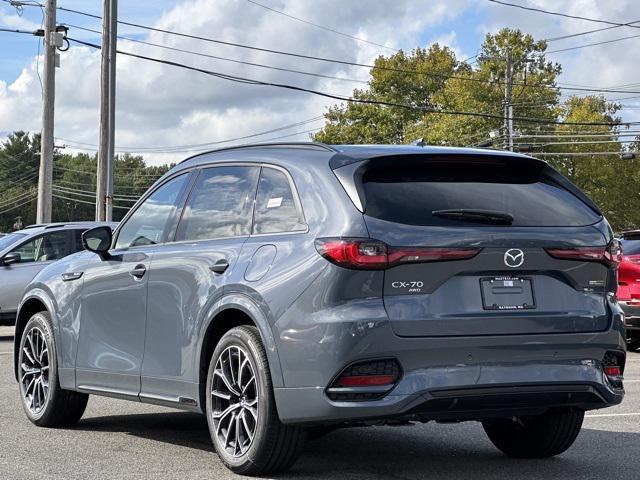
<point>34,370</point>
<point>234,395</point>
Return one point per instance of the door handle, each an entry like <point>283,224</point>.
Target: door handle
<point>220,266</point>
<point>139,271</point>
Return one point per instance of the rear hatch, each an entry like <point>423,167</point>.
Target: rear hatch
<point>486,245</point>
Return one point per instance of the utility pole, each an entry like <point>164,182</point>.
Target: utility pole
<point>104,181</point>
<point>508,99</point>
<point>113,46</point>
<point>45,178</point>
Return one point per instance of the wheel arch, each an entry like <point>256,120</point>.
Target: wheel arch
<point>233,311</point>
<point>30,305</point>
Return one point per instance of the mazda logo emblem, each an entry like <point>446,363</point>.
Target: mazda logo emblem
<point>513,257</point>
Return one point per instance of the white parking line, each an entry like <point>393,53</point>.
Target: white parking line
<point>634,414</point>
<point>6,353</point>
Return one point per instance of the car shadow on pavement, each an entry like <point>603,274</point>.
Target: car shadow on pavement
<point>179,428</point>
<point>432,451</point>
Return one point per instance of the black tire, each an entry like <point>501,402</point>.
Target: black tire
<point>273,447</point>
<point>540,436</point>
<point>56,407</point>
<point>633,344</point>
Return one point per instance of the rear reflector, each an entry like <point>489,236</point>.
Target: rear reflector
<point>366,381</point>
<point>611,255</point>
<point>365,254</point>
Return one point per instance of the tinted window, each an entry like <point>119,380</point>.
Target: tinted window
<point>146,225</point>
<point>276,209</point>
<point>630,247</point>
<point>408,193</point>
<point>77,241</point>
<point>51,246</point>
<point>10,239</point>
<point>220,204</point>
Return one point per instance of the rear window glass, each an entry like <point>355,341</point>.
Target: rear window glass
<point>630,247</point>
<point>410,193</point>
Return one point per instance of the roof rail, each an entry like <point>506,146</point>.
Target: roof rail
<point>310,145</point>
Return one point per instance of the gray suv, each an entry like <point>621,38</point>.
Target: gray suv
<point>289,289</point>
<point>25,252</point>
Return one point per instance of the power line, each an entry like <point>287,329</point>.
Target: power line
<point>353,37</point>
<point>191,147</point>
<point>571,35</point>
<point>566,15</point>
<point>577,47</point>
<point>34,197</point>
<point>329,60</point>
<point>61,197</point>
<point>15,30</point>
<point>427,109</point>
<point>216,57</point>
<point>574,154</point>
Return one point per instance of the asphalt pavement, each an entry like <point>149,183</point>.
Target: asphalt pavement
<point>118,439</point>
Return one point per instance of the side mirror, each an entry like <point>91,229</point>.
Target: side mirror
<point>11,258</point>
<point>98,240</point>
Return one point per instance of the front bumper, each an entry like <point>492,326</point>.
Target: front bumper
<point>448,378</point>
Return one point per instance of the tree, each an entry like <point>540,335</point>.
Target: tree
<point>450,85</point>
<point>407,79</point>
<point>74,182</point>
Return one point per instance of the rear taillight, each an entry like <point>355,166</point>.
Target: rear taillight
<point>359,253</point>
<point>611,255</point>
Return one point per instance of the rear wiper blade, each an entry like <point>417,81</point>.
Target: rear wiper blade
<point>475,215</point>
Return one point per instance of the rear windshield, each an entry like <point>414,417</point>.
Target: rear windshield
<point>630,247</point>
<point>409,193</point>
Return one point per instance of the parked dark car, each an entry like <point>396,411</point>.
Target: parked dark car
<point>629,286</point>
<point>282,289</point>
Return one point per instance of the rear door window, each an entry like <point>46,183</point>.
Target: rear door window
<point>277,208</point>
<point>410,192</point>
<point>220,204</point>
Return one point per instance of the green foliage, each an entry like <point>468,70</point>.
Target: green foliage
<point>610,181</point>
<point>74,180</point>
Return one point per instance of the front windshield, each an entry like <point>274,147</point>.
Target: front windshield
<point>10,239</point>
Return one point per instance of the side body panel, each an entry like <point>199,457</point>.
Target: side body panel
<point>112,330</point>
<point>183,292</point>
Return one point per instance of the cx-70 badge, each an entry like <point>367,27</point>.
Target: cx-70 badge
<point>513,257</point>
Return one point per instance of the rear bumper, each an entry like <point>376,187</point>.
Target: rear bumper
<point>448,378</point>
<point>580,386</point>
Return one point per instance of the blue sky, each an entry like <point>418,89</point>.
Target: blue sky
<point>17,50</point>
<point>162,106</point>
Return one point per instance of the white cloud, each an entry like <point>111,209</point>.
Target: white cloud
<point>160,105</point>
<point>13,20</point>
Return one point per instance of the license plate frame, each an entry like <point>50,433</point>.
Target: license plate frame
<point>507,293</point>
